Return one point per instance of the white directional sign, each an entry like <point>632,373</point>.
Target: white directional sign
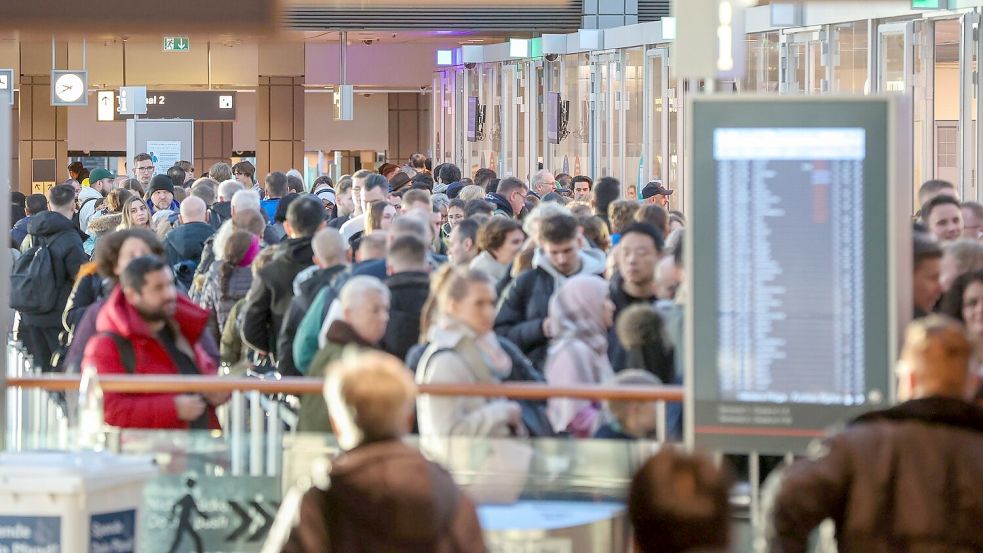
<point>106,105</point>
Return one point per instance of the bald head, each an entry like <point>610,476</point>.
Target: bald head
<point>329,248</point>
<point>193,210</point>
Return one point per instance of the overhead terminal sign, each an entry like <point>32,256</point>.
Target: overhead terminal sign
<point>203,105</point>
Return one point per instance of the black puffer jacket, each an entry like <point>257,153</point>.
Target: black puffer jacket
<point>67,255</point>
<point>525,304</point>
<point>409,292</point>
<point>270,294</point>
<point>902,480</point>
<point>186,242</point>
<point>308,290</point>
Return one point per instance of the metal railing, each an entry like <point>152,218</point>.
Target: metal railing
<point>259,411</point>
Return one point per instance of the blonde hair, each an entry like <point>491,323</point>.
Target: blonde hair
<point>448,284</point>
<point>967,253</point>
<point>938,351</point>
<point>370,397</point>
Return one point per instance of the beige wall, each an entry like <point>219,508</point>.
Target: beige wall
<point>369,130</point>
<point>393,65</point>
<point>947,92</point>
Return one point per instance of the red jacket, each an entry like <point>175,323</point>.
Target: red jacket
<point>145,410</point>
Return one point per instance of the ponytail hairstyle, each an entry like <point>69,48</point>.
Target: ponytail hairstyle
<point>236,249</point>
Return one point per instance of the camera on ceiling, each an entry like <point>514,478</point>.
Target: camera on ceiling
<point>368,41</point>
<point>552,57</point>
<point>470,65</point>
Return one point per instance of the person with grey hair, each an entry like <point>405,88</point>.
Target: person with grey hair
<point>222,206</point>
<point>543,183</point>
<point>364,304</point>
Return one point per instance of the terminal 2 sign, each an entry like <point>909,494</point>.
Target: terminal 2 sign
<point>203,105</point>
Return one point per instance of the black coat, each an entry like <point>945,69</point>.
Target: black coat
<point>271,292</point>
<point>525,304</point>
<point>186,242</point>
<point>295,314</point>
<point>649,352</point>
<point>67,256</point>
<point>409,292</point>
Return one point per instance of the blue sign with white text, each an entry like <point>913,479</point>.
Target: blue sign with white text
<point>34,534</point>
<point>113,532</point>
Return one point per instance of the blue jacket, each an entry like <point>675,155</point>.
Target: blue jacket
<point>19,232</point>
<point>175,207</point>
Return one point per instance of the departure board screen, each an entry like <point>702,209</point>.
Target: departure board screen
<point>790,273</point>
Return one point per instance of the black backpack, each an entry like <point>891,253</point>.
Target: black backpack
<point>75,216</point>
<point>33,283</point>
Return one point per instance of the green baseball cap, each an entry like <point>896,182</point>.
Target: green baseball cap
<point>99,174</point>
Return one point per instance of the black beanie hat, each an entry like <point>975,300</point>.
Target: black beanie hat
<point>161,182</point>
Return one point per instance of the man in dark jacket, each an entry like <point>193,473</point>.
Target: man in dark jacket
<point>510,198</point>
<point>525,305</point>
<point>162,195</point>
<point>272,290</point>
<point>186,242</point>
<point>903,479</point>
<point>329,260</point>
<point>409,283</point>
<point>638,253</point>
<point>39,331</point>
<point>371,399</point>
<point>33,204</point>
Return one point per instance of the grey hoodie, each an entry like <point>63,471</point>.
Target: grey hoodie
<point>592,262</point>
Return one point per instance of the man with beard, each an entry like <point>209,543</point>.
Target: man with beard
<point>147,327</point>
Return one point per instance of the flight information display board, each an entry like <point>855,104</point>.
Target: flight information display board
<point>789,248</point>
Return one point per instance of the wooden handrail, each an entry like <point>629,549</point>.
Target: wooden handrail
<point>149,384</point>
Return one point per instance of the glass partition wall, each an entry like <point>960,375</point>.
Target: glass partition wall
<point>570,77</point>
<point>622,110</point>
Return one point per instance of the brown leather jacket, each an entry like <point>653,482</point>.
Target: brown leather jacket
<point>905,480</point>
<point>385,497</point>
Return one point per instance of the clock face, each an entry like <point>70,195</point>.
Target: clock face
<point>69,87</point>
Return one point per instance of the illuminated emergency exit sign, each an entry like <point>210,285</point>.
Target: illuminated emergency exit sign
<point>177,44</point>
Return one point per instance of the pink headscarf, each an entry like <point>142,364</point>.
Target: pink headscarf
<point>577,311</point>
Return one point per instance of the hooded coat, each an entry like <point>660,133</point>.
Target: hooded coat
<point>271,292</point>
<point>525,303</point>
<point>155,410</point>
<point>371,505</point>
<point>186,242</point>
<point>89,201</point>
<point>67,255</point>
<point>99,224</point>
<point>409,292</point>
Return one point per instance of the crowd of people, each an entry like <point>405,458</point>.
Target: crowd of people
<point>429,275</point>
<point>465,280</point>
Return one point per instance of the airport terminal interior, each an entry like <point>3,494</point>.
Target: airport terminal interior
<point>516,276</point>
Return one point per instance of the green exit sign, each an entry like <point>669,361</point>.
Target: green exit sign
<point>177,44</point>
<point>929,4</point>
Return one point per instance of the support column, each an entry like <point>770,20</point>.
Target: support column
<point>279,124</point>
